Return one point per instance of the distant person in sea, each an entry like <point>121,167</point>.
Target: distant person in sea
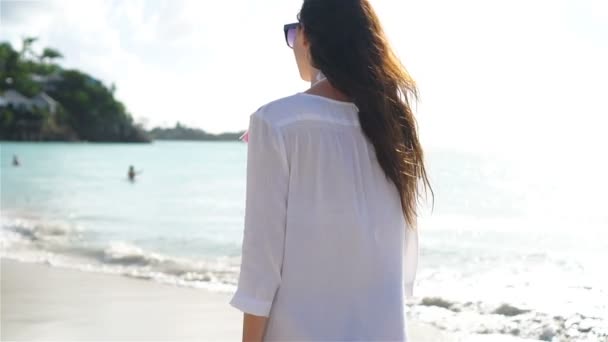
<point>330,244</point>
<point>132,173</point>
<point>15,161</point>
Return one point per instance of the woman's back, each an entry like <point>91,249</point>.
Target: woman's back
<point>330,247</point>
<point>339,263</point>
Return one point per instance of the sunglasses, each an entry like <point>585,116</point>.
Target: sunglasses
<point>290,31</point>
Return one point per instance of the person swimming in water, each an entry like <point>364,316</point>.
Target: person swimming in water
<point>132,173</point>
<point>15,160</point>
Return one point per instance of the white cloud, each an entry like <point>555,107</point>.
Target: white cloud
<point>205,65</point>
<point>502,75</point>
<point>493,75</point>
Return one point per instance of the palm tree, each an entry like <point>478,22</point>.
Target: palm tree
<point>26,46</point>
<point>50,54</point>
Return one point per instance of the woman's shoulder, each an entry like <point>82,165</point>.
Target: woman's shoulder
<point>304,105</point>
<point>279,110</point>
<point>290,102</point>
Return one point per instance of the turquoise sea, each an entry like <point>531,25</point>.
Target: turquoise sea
<point>527,230</point>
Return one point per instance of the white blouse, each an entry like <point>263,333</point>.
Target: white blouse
<point>326,252</point>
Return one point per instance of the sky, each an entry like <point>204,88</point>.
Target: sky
<point>517,75</point>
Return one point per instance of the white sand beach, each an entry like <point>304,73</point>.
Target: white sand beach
<point>48,303</point>
<point>40,302</point>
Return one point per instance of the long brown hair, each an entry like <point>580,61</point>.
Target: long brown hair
<point>348,44</point>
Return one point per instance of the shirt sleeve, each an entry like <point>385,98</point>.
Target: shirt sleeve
<point>411,260</point>
<point>265,219</point>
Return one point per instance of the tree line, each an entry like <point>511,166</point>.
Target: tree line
<point>42,101</point>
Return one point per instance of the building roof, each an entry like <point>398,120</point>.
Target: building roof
<point>46,78</point>
<point>44,100</point>
<point>14,98</point>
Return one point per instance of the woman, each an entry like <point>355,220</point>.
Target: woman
<point>333,177</point>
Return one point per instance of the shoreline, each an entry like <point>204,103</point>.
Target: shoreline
<point>51,303</point>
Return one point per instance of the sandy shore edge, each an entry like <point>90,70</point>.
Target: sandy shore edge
<point>40,302</point>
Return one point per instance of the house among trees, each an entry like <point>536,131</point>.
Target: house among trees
<point>27,113</point>
<point>41,101</point>
<point>12,98</point>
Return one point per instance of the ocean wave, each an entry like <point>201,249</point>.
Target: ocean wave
<point>507,319</point>
<point>36,231</point>
<point>63,245</point>
<point>124,253</point>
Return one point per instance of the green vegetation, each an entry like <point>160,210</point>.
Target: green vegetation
<point>39,100</point>
<point>180,132</point>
